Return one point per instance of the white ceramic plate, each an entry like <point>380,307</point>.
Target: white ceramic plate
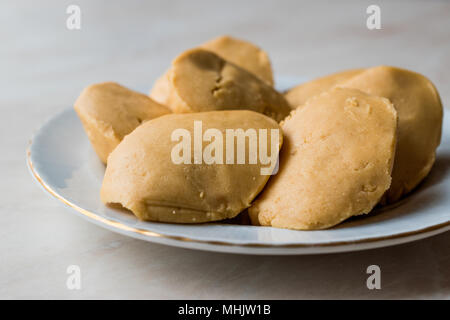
<point>61,159</point>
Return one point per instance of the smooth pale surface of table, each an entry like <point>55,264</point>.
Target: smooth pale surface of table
<point>44,66</point>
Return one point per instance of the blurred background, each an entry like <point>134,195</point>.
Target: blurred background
<point>44,66</point>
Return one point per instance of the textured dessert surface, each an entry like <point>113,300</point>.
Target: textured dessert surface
<point>336,162</point>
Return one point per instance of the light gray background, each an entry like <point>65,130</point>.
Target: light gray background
<point>44,66</point>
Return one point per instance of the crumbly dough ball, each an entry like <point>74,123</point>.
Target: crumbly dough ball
<point>243,54</point>
<point>200,80</point>
<point>335,163</point>
<point>298,95</point>
<point>420,114</point>
<point>142,177</point>
<point>110,111</point>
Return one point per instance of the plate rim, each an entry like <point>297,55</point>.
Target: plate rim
<point>151,236</point>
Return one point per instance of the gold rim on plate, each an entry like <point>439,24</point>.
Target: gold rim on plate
<point>151,234</point>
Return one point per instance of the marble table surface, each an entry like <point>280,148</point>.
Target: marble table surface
<point>44,66</point>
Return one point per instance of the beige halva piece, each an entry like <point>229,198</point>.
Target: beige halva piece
<point>298,95</point>
<point>242,53</point>
<point>335,163</point>
<point>420,115</point>
<point>110,111</point>
<point>200,80</point>
<point>142,176</point>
